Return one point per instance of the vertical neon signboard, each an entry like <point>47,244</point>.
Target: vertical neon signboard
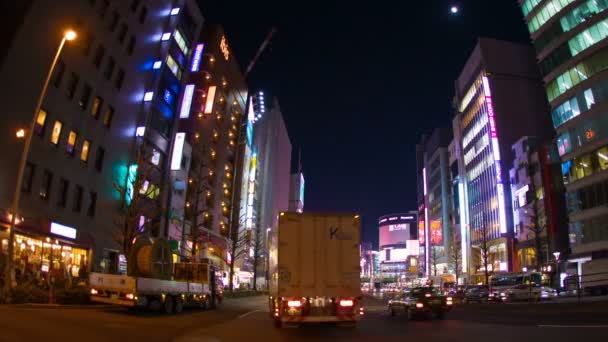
<point>196,58</point>
<point>463,226</point>
<point>426,225</point>
<point>210,100</point>
<point>178,150</point>
<point>184,111</point>
<point>500,188</point>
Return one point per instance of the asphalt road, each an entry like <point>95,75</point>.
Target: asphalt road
<point>248,320</point>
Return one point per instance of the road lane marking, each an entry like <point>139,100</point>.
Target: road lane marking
<point>572,326</point>
<point>248,313</point>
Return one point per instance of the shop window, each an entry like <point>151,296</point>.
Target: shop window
<point>108,116</point>
<point>71,144</point>
<point>122,34</point>
<point>582,167</point>
<point>96,106</point>
<point>84,153</point>
<point>56,134</point>
<point>114,21</point>
<point>131,45</point>
<point>103,10</point>
<point>143,14</point>
<point>40,122</point>
<point>72,84</point>
<point>99,157</point>
<point>602,156</point>
<point>92,204</point>
<point>64,186</point>
<point>85,96</point>
<point>58,73</point>
<point>28,177</point>
<point>110,68</point>
<point>77,205</point>
<point>120,78</point>
<point>88,43</point>
<point>101,51</point>
<point>45,188</point>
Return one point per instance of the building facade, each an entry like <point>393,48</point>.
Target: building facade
<point>539,214</point>
<point>212,120</point>
<point>399,247</point>
<point>273,146</point>
<point>436,199</point>
<point>109,115</point>
<point>499,97</point>
<point>572,49</point>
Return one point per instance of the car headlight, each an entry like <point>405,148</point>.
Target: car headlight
<point>502,294</point>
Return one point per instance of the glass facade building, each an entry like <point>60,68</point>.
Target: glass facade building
<point>498,98</point>
<point>572,50</point>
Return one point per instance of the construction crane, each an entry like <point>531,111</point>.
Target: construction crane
<point>260,51</point>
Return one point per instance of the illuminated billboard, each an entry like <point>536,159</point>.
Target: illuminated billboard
<point>210,100</point>
<point>421,230</point>
<point>436,232</point>
<point>396,229</point>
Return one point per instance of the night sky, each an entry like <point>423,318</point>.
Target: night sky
<point>358,84</point>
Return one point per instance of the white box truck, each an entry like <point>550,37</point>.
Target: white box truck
<point>314,268</point>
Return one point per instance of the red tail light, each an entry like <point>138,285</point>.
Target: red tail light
<point>346,303</point>
<point>294,303</point>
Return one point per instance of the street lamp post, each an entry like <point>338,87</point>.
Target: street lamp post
<point>9,279</point>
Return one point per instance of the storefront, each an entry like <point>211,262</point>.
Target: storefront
<point>38,254</point>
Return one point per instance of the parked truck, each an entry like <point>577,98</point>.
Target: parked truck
<point>314,269</point>
<point>155,283</point>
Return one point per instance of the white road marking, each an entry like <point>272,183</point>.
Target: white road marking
<point>573,326</point>
<point>248,313</point>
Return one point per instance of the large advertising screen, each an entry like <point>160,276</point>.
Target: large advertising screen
<point>436,233</point>
<point>394,234</point>
<point>421,235</point>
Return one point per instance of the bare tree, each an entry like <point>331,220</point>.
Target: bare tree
<point>258,249</point>
<point>434,259</point>
<point>238,247</point>
<point>140,210</point>
<point>483,238</point>
<point>455,256</point>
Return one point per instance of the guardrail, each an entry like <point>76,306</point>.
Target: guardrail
<point>590,283</point>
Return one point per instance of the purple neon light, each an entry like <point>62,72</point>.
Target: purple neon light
<point>196,59</point>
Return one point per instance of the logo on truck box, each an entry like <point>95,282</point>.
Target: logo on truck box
<point>337,234</point>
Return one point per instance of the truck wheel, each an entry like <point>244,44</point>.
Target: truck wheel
<point>168,305</point>
<point>179,305</point>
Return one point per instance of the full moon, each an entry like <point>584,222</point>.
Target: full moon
<point>454,9</point>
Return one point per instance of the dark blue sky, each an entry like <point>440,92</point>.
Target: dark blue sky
<point>359,84</point>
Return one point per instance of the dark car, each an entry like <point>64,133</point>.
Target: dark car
<point>476,293</point>
<point>421,301</point>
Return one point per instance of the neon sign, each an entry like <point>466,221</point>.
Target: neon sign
<point>184,112</point>
<point>224,48</point>
<point>178,150</point>
<point>500,190</point>
<point>196,59</point>
<point>210,100</point>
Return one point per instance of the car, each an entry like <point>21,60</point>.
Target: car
<point>421,301</point>
<point>528,292</point>
<point>476,293</point>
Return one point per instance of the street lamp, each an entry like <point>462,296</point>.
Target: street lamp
<point>8,283</point>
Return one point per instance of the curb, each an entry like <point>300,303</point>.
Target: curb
<point>58,306</point>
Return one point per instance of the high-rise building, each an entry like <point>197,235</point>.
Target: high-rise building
<point>499,98</point>
<point>273,146</point>
<point>572,50</point>
<point>296,192</point>
<point>539,215</point>
<point>434,173</point>
<point>212,119</point>
<point>109,116</point>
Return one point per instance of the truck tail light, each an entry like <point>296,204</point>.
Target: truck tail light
<point>347,303</point>
<point>419,305</point>
<point>130,296</point>
<point>94,292</point>
<point>294,303</point>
